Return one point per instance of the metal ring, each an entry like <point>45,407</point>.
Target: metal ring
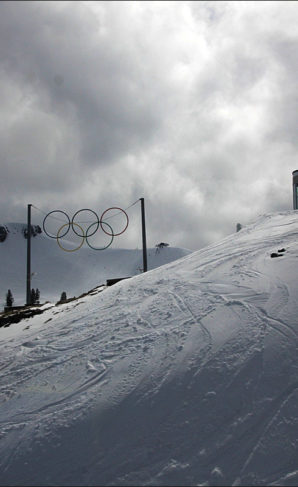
<point>70,224</point>
<point>114,208</point>
<point>73,223</point>
<point>99,248</point>
<point>56,211</point>
<point>84,236</point>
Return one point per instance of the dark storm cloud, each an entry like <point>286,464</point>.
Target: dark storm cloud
<point>192,105</point>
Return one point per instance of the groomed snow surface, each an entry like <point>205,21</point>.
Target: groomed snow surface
<point>185,375</point>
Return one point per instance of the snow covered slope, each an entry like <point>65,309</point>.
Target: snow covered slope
<point>73,272</point>
<point>186,375</point>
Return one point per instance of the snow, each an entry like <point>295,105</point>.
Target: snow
<point>55,270</point>
<point>184,375</point>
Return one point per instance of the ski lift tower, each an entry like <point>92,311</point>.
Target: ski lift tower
<point>295,189</point>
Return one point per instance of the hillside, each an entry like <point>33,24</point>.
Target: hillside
<point>56,271</point>
<point>185,375</point>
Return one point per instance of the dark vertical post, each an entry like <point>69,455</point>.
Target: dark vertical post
<point>28,293</point>
<point>144,236</point>
<point>295,190</point>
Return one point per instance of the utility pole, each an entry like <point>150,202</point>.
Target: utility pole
<point>144,236</point>
<point>28,293</point>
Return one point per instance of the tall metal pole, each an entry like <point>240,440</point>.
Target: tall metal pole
<point>144,236</point>
<point>28,293</point>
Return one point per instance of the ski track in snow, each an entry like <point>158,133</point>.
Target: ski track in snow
<point>206,345</point>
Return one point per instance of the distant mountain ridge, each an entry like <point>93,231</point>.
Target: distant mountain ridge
<point>55,271</point>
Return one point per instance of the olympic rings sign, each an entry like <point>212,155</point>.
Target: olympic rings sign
<point>78,229</point>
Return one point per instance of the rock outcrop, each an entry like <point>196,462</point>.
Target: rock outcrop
<point>35,230</point>
<point>17,228</point>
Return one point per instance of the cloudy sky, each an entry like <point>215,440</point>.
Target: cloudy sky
<point>191,105</point>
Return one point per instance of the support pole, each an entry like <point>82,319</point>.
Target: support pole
<point>295,189</point>
<point>144,236</point>
<point>28,293</point>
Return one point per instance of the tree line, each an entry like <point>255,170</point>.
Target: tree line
<point>35,297</point>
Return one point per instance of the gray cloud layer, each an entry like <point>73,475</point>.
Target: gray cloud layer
<point>192,105</point>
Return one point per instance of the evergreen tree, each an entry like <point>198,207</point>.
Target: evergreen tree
<point>33,296</point>
<point>9,298</point>
<point>37,295</point>
<point>63,296</point>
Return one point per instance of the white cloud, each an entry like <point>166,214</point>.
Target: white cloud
<point>192,105</point>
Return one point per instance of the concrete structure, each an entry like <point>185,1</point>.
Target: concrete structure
<point>295,189</point>
<point>111,282</point>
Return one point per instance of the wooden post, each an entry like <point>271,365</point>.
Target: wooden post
<point>145,268</point>
<point>28,282</point>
